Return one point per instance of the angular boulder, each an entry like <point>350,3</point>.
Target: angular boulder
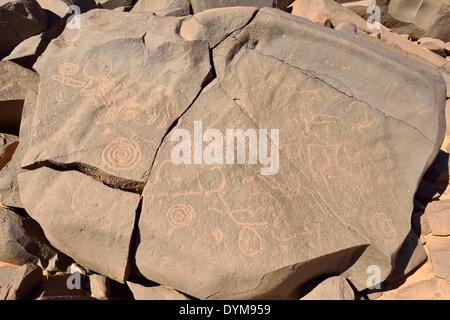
<point>8,144</point>
<point>20,19</point>
<point>158,6</point>
<point>202,5</point>
<point>23,241</point>
<point>15,83</point>
<point>141,292</point>
<point>350,159</point>
<point>19,283</point>
<point>334,288</point>
<point>422,18</point>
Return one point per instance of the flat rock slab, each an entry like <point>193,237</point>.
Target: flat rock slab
<point>438,217</point>
<point>141,292</point>
<point>19,283</point>
<point>334,288</point>
<point>350,160</point>
<point>81,217</point>
<point>440,255</point>
<point>111,111</point>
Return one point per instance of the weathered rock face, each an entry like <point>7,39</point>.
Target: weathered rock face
<point>334,288</point>
<point>20,19</point>
<point>23,241</point>
<point>111,111</point>
<point>423,18</point>
<point>202,5</point>
<point>15,83</point>
<point>351,156</point>
<point>88,221</point>
<point>19,283</point>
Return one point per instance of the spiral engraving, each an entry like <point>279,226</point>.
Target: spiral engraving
<point>122,154</point>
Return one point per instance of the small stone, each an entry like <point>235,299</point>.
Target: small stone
<point>100,286</point>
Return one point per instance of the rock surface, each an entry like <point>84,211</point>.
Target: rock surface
<point>19,283</point>
<point>158,5</point>
<point>438,216</point>
<point>87,221</point>
<point>194,214</point>
<point>334,288</point>
<point>202,5</point>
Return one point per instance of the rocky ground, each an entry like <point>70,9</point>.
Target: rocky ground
<point>352,203</point>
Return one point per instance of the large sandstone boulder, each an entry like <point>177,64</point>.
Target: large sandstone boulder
<point>333,288</point>
<point>351,157</point>
<point>423,18</point>
<point>20,20</point>
<point>60,7</point>
<point>340,196</point>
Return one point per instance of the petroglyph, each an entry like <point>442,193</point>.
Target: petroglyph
<point>121,154</point>
<point>180,216</point>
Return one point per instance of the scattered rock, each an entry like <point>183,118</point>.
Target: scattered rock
<point>20,20</point>
<point>334,288</point>
<point>316,10</point>
<point>57,288</point>
<point>19,283</point>
<point>422,18</point>
<point>347,27</point>
<point>60,7</point>
<point>23,241</point>
<point>141,292</point>
<point>115,4</point>
<point>100,286</point>
<point>438,217</point>
<point>8,144</point>
<point>440,255</point>
<point>202,5</point>
<point>432,289</point>
<point>15,82</point>
<point>434,45</point>
<point>9,187</point>
<point>158,6</point>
